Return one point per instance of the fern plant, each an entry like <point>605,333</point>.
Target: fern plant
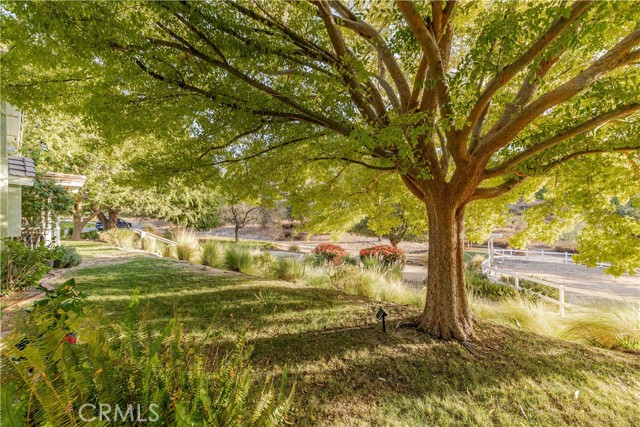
<point>69,354</point>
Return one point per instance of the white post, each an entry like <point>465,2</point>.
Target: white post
<point>542,254</point>
<point>566,257</point>
<point>517,281</point>
<point>142,234</point>
<point>490,247</point>
<point>561,301</point>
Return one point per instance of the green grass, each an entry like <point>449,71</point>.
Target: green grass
<point>348,373</point>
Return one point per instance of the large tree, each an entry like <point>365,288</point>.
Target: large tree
<point>458,102</point>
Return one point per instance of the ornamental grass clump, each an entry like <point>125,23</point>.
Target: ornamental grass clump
<point>330,253</point>
<point>169,251</point>
<point>187,243</point>
<point>289,269</point>
<point>185,252</point>
<point>211,254</point>
<point>121,237</point>
<point>613,326</point>
<point>237,258</point>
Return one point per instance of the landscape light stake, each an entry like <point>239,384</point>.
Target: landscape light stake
<point>380,315</point>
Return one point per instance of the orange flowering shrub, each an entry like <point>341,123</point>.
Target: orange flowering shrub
<point>329,251</point>
<point>387,254</point>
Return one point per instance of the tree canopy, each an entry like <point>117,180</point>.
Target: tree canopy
<point>461,102</point>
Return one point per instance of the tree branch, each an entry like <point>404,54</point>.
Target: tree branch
<point>266,150</point>
<point>511,183</point>
<point>507,73</point>
<point>558,138</point>
<point>429,46</point>
<point>344,57</point>
<point>375,39</point>
<point>357,162</point>
<point>616,57</point>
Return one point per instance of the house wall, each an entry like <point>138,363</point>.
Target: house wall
<point>10,195</point>
<point>14,211</point>
<point>4,174</point>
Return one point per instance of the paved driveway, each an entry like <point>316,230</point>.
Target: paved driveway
<point>595,285</point>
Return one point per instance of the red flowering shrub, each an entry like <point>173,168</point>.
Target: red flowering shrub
<point>387,254</point>
<point>329,251</point>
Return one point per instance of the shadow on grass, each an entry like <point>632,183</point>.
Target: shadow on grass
<point>347,372</point>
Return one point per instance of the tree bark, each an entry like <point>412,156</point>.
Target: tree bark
<point>237,233</point>
<point>112,220</point>
<point>78,222</point>
<point>103,219</point>
<point>446,314</point>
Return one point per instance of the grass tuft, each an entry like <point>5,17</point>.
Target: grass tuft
<point>237,258</point>
<point>289,269</point>
<point>211,255</point>
<point>612,326</point>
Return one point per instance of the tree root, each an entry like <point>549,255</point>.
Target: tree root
<point>411,323</point>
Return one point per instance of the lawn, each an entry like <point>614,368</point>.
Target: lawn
<point>348,373</point>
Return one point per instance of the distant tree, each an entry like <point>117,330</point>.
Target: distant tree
<point>240,215</point>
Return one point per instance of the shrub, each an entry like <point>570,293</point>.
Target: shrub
<point>294,248</point>
<point>90,235</point>
<point>482,287</point>
<point>330,252</point>
<point>349,260</point>
<point>238,259</point>
<point>475,264</point>
<point>21,266</point>
<point>211,254</point>
<point>69,353</point>
<point>289,269</point>
<point>386,254</point>
<point>65,257</point>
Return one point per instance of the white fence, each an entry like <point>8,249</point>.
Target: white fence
<point>495,275</point>
<point>541,255</point>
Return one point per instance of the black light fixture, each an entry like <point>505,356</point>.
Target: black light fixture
<point>380,315</point>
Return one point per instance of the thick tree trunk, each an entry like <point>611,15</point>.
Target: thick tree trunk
<point>78,222</point>
<point>446,314</point>
<point>110,221</point>
<point>103,219</point>
<point>77,228</point>
<point>237,233</point>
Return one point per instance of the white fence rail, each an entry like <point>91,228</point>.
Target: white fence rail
<point>495,275</point>
<point>144,234</point>
<point>541,255</point>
